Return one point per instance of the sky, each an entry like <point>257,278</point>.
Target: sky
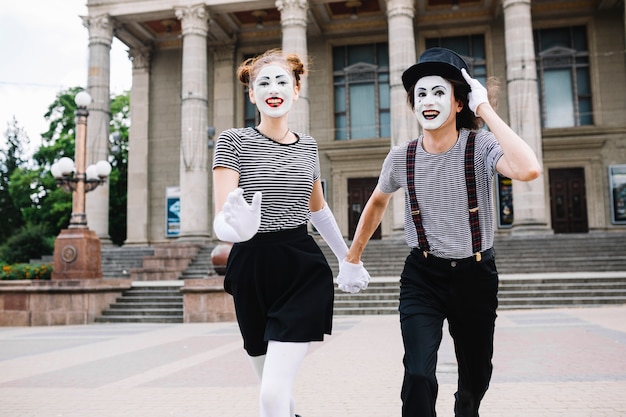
<point>43,51</point>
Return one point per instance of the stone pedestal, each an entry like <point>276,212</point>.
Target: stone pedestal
<point>77,255</point>
<point>206,301</point>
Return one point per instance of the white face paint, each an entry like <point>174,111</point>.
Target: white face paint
<point>433,101</point>
<point>273,91</point>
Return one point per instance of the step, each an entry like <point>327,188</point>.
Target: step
<point>367,303</point>
<point>138,291</point>
<point>541,290</point>
<point>147,302</point>
<point>138,319</point>
<point>579,300</point>
<point>351,311</point>
<point>124,305</point>
<point>158,297</point>
<point>540,293</point>
<point>145,312</point>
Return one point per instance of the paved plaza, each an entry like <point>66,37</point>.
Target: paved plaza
<point>548,363</point>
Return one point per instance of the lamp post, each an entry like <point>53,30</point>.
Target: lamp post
<point>77,253</point>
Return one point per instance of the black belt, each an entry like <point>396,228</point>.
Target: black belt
<point>486,255</point>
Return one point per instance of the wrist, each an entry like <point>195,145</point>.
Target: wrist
<point>353,259</point>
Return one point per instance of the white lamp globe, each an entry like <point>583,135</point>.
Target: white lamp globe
<point>92,172</point>
<point>55,170</point>
<point>103,168</point>
<point>66,166</point>
<point>82,99</point>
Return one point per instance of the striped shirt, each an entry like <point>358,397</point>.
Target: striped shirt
<point>284,173</point>
<point>442,193</point>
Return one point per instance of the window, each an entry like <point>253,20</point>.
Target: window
<point>361,83</point>
<point>470,47</point>
<point>563,73</point>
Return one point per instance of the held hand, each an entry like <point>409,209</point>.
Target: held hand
<point>352,278</point>
<point>244,219</point>
<point>478,94</point>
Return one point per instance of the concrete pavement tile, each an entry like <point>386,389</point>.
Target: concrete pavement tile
<point>557,363</point>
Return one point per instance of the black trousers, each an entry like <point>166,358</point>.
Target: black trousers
<point>465,293</point>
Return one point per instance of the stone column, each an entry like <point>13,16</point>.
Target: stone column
<point>404,127</point>
<point>400,14</point>
<point>529,202</point>
<point>100,39</point>
<point>194,176</point>
<point>138,196</point>
<point>225,91</point>
<point>293,17</point>
<point>224,88</point>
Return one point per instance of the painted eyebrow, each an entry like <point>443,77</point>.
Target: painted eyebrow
<point>267,77</point>
<point>437,86</point>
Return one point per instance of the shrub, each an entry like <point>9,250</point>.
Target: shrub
<point>31,242</point>
<point>34,271</point>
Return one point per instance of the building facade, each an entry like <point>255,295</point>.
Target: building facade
<point>561,66</point>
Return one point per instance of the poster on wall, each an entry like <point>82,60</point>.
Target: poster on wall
<point>617,184</point>
<point>172,214</point>
<point>504,198</point>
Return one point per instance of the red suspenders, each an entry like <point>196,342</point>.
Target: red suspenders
<point>472,199</point>
<point>415,208</point>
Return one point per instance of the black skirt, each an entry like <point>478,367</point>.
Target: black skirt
<point>282,287</point>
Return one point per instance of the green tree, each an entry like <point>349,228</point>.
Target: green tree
<point>11,159</point>
<point>33,188</point>
<point>118,181</point>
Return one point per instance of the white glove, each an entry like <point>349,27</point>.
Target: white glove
<point>478,94</point>
<point>326,225</point>
<point>352,278</point>
<point>238,221</point>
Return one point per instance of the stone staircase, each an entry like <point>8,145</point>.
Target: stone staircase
<point>146,302</point>
<point>157,274</point>
<point>517,291</point>
<point>514,255</point>
<point>535,272</point>
<point>201,265</point>
<point>167,263</point>
<point>117,262</point>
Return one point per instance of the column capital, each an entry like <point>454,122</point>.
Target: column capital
<point>140,57</point>
<point>194,19</point>
<point>224,53</point>
<point>400,8</point>
<point>293,12</point>
<point>508,3</point>
<point>100,28</point>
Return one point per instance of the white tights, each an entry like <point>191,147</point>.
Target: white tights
<point>277,371</point>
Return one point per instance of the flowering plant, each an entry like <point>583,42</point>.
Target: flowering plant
<point>31,271</point>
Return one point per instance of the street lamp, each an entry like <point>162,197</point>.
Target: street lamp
<point>78,178</point>
<point>77,249</point>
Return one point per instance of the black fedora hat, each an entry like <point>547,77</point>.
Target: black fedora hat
<point>435,61</point>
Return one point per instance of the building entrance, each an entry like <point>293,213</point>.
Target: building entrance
<point>568,201</point>
<point>359,191</point>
